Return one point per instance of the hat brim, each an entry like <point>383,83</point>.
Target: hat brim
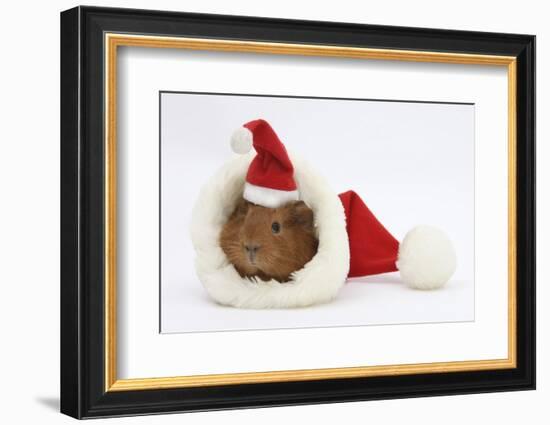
<point>266,197</point>
<point>320,279</point>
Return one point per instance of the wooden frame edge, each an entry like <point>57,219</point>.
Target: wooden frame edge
<point>137,384</point>
<point>114,40</point>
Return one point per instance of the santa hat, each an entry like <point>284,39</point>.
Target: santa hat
<point>425,258</point>
<point>270,178</point>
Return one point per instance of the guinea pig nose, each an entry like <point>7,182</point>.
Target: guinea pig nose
<point>252,247</point>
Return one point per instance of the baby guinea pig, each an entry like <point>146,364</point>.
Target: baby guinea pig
<point>269,243</point>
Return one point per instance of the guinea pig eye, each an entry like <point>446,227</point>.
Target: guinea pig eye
<point>275,227</point>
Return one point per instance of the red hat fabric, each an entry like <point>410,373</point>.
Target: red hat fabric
<point>270,178</point>
<point>373,249</point>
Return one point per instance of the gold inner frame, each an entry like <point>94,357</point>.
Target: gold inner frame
<point>113,41</point>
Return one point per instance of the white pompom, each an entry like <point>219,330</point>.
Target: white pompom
<point>426,258</point>
<point>241,140</point>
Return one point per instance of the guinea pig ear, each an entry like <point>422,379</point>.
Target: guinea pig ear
<point>241,208</point>
<point>301,214</point>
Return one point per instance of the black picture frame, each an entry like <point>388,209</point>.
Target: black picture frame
<point>83,392</point>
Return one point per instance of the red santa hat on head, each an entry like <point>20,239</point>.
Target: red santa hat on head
<point>425,258</point>
<point>270,178</point>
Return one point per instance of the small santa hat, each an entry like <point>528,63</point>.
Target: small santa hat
<point>270,178</point>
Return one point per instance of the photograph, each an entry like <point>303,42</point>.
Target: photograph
<point>295,212</point>
<point>261,211</point>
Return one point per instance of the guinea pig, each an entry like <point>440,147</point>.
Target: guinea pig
<point>269,243</point>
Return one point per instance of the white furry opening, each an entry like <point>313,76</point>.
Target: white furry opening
<point>320,279</point>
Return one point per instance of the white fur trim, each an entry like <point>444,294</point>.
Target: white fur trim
<point>241,140</point>
<point>320,279</point>
<point>267,197</point>
<point>426,258</point>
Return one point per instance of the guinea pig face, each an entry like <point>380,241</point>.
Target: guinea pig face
<point>269,243</point>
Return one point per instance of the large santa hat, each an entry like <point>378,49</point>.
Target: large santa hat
<point>352,242</point>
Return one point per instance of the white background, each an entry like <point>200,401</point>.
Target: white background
<point>385,151</point>
<point>29,171</point>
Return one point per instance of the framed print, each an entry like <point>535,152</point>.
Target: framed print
<point>261,212</point>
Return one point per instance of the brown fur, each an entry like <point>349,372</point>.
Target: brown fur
<point>269,255</point>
